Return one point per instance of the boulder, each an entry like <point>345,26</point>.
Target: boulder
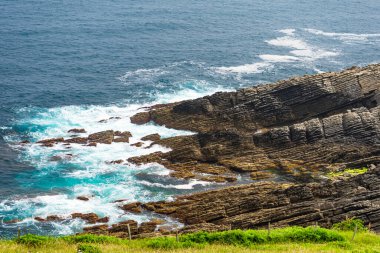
<point>137,144</point>
<point>105,137</point>
<point>134,207</point>
<point>89,217</point>
<point>151,137</point>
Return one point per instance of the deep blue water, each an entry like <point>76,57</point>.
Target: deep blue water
<point>66,64</point>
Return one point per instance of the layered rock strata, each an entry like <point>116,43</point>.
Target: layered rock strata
<point>297,129</point>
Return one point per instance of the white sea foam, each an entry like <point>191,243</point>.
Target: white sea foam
<point>278,58</point>
<point>289,41</point>
<point>300,52</point>
<point>90,168</point>
<point>346,37</point>
<point>288,31</point>
<point>142,74</point>
<point>188,186</point>
<point>258,67</point>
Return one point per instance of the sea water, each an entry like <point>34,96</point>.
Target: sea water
<point>73,64</point>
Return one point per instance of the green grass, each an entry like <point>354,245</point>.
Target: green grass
<point>291,239</point>
<point>347,172</point>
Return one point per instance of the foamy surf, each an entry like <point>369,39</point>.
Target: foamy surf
<point>347,37</point>
<point>67,173</point>
<point>299,52</point>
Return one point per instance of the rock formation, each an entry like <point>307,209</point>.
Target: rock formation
<point>286,136</point>
<point>255,205</point>
<point>292,131</point>
<point>296,129</point>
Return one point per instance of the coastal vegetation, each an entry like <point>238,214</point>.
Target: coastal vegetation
<point>348,172</point>
<point>347,236</point>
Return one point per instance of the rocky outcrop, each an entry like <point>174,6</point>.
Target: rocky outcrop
<point>77,130</point>
<point>104,137</point>
<point>287,136</point>
<point>151,137</point>
<point>90,218</point>
<point>294,130</point>
<point>282,103</point>
<point>255,205</point>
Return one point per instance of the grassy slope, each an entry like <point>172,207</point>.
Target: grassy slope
<point>280,242</point>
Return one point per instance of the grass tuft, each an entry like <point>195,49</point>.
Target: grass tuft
<point>85,248</point>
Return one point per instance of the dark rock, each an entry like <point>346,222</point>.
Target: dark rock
<point>116,161</point>
<point>39,219</point>
<point>89,217</point>
<point>77,130</point>
<point>50,142</point>
<point>119,200</point>
<point>137,144</point>
<point>121,139</point>
<point>141,118</point>
<point>103,220</point>
<point>83,198</point>
<point>134,207</point>
<point>123,227</point>
<point>151,137</point>
<point>13,221</point>
<point>79,140</point>
<point>254,205</point>
<point>102,137</point>
<point>54,218</point>
<point>147,227</point>
<point>98,229</point>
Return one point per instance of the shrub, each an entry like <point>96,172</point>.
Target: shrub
<point>89,238</point>
<point>233,237</point>
<point>308,234</point>
<point>249,237</point>
<point>84,248</point>
<point>33,240</point>
<point>349,225</point>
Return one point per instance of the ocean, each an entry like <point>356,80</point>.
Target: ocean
<point>71,64</point>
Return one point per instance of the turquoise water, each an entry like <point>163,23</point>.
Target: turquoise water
<point>67,64</point>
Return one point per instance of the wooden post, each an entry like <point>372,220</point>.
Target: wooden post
<point>18,232</point>
<point>369,226</point>
<point>355,230</point>
<point>268,229</point>
<point>176,235</point>
<point>129,232</point>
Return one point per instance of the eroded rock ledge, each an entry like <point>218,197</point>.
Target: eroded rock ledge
<point>296,131</point>
<point>298,128</point>
<point>254,205</point>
